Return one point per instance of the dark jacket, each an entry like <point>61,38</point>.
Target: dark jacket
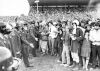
<point>15,41</point>
<point>76,44</point>
<point>24,43</point>
<point>66,38</point>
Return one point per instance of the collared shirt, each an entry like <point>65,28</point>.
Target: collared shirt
<point>95,36</point>
<point>53,31</point>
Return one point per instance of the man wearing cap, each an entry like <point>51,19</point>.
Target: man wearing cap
<point>15,40</point>
<point>24,45</point>
<point>35,34</point>
<point>76,36</point>
<point>95,39</point>
<point>32,39</point>
<point>2,26</point>
<point>5,54</point>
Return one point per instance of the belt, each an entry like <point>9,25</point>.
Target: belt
<point>96,43</point>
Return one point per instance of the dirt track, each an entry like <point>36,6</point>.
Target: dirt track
<point>46,63</point>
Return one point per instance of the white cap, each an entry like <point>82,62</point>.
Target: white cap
<point>54,23</point>
<point>76,21</point>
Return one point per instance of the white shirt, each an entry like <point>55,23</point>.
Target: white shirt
<point>95,36</point>
<point>53,31</point>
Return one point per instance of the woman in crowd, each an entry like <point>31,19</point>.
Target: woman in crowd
<point>76,37</point>
<point>85,50</point>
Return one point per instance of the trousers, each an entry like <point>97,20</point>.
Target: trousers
<point>51,45</point>
<point>65,54</point>
<point>95,53</point>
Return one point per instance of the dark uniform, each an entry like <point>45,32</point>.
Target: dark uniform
<point>31,39</point>
<point>15,42</point>
<point>37,35</point>
<point>24,48</point>
<point>5,54</point>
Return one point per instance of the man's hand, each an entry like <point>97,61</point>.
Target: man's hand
<point>36,39</point>
<point>73,38</point>
<point>18,52</point>
<point>31,45</point>
<point>62,38</point>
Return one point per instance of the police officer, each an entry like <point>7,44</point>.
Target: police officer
<point>32,39</point>
<point>24,45</point>
<point>15,41</point>
<point>5,54</point>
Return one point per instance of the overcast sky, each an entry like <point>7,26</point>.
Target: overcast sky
<point>14,7</point>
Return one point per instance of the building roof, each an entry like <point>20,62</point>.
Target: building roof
<point>59,2</point>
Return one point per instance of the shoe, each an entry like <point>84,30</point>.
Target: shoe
<point>30,66</point>
<point>62,64</point>
<point>34,55</point>
<point>66,65</point>
<point>91,69</point>
<point>76,68</point>
<point>94,67</point>
<point>87,69</point>
<point>72,66</point>
<point>43,54</point>
<point>58,61</point>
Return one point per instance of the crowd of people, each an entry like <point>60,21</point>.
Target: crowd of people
<point>75,42</point>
